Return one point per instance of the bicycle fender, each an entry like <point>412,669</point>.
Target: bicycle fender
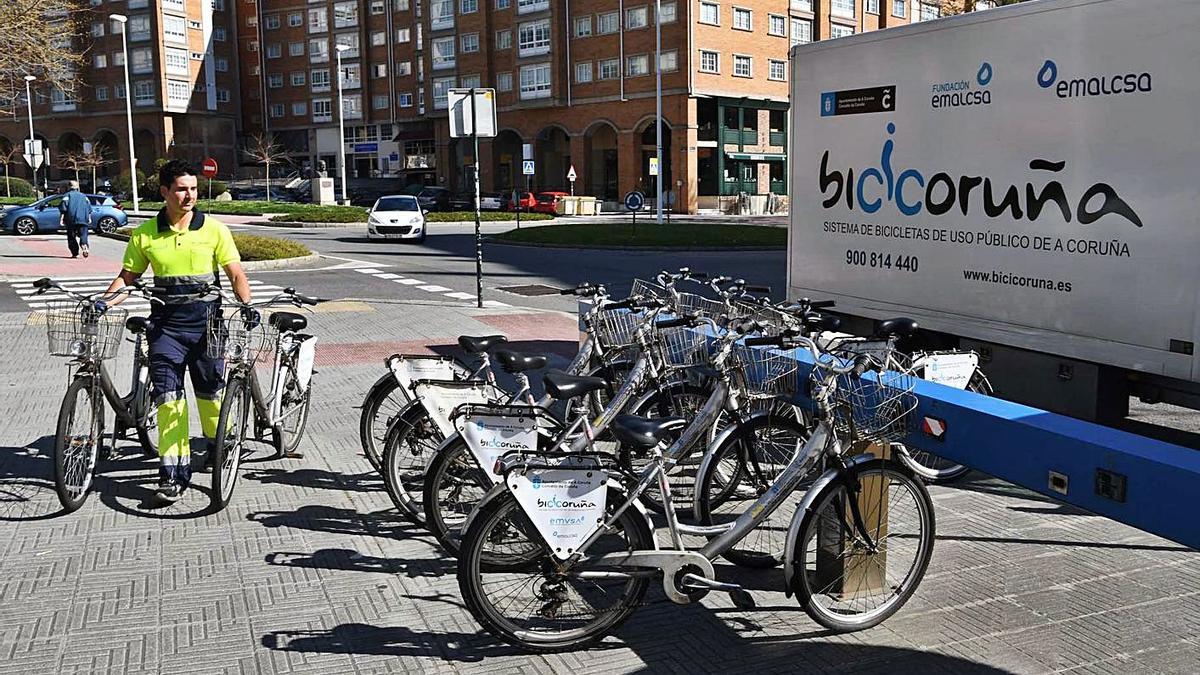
<point>497,490</point>
<point>805,506</point>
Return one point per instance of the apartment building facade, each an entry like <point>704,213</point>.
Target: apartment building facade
<point>182,73</point>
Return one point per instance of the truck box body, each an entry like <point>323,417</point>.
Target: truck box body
<point>1027,176</point>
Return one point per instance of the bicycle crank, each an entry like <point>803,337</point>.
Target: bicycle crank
<point>738,595</point>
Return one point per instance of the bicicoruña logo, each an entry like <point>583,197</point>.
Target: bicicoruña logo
<point>870,188</point>
<point>556,503</point>
<point>1093,85</point>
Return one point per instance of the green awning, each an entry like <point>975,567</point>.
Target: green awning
<point>758,156</point>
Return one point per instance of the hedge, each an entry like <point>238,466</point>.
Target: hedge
<point>16,201</point>
<point>17,187</point>
<point>323,214</point>
<point>484,216</point>
<point>253,247</point>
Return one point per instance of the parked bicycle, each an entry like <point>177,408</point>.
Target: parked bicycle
<point>89,333</point>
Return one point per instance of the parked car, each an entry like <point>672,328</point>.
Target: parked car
<point>493,201</point>
<point>524,201</point>
<point>434,199</point>
<point>397,217</point>
<point>43,215</point>
<point>546,201</point>
<point>259,193</point>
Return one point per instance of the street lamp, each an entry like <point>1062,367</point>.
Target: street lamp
<point>658,190</point>
<point>342,121</point>
<point>124,21</point>
<point>29,103</point>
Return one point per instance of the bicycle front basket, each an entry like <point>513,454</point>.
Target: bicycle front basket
<point>74,329</point>
<point>616,329</point>
<point>232,338</point>
<point>690,303</point>
<point>875,406</point>
<point>767,372</point>
<point>648,289</point>
<point>683,347</point>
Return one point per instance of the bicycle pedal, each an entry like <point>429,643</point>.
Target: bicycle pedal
<point>696,582</point>
<point>742,599</point>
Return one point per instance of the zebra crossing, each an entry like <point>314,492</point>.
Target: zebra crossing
<point>86,285</point>
<point>429,288</point>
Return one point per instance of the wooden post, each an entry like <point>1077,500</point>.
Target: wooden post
<point>861,575</point>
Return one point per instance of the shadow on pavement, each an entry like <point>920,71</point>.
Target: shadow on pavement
<point>360,638</point>
<point>368,481</point>
<point>333,520</point>
<point>349,560</point>
<point>27,477</point>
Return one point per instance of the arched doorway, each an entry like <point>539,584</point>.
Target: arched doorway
<point>69,160</point>
<point>649,152</point>
<point>601,178</point>
<point>506,161</point>
<point>553,155</point>
<point>147,149</point>
<point>106,147</point>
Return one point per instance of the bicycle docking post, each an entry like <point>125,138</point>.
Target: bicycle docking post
<point>851,578</point>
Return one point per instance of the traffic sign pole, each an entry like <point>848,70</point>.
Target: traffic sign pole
<point>478,233</point>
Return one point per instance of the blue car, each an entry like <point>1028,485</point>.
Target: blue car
<point>43,215</point>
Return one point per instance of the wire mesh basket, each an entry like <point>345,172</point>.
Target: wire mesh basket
<point>75,329</point>
<point>683,347</point>
<point>616,329</point>
<point>766,372</point>
<point>690,303</point>
<point>648,289</point>
<point>774,320</point>
<point>233,338</point>
<point>875,406</point>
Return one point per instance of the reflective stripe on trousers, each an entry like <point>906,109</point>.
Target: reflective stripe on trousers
<point>172,351</point>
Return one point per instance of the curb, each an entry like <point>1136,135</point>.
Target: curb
<point>497,242</point>
<point>249,266</point>
<point>307,226</point>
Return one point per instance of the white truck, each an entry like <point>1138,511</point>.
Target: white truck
<point>1023,181</point>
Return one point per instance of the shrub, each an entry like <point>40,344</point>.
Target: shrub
<point>19,187</point>
<point>484,216</point>
<point>218,187</point>
<point>323,214</point>
<point>253,247</point>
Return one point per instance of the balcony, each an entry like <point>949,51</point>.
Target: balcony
<point>778,138</point>
<point>742,137</point>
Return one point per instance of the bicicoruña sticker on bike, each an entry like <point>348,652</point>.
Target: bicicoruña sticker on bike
<point>952,370</point>
<point>409,370</point>
<point>565,505</point>
<point>490,437</point>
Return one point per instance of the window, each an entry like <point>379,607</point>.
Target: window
<point>296,49</point>
<point>198,56</point>
<point>174,5</point>
<point>637,17</point>
<point>838,30</point>
<point>583,26</point>
<point>504,81</point>
<point>441,86</point>
<point>318,22</point>
<point>300,108</point>
<point>345,14</point>
<point>504,39</point>
<point>443,52</point>
<point>298,79</point>
<point>503,4</point>
<point>638,64</point>
<point>252,45</point>
<point>441,14</point>
<point>930,11</point>
<point>219,33</point>
<point>222,65</point>
<point>405,100</point>
<point>274,50</point>
<point>535,80</point>
<point>801,31</point>
<point>533,38</point>
<point>609,69</point>
<point>743,66</point>
<point>710,13</point>
<point>842,8</point>
<point>469,43</point>
<point>120,92</point>
<point>271,22</point>
<point>275,80</point>
<point>100,61</point>
<point>379,70</point>
<point>710,62</point>
<point>583,72</point>
<point>137,4</point>
<point>140,61</point>
<point>378,38</point>
<point>402,35</point>
<point>777,70</point>
<point>101,93</point>
<point>526,6</point>
<point>351,41</point>
<point>871,7</point>
<point>668,62</point>
<point>322,110</point>
<point>743,19</point>
<point>609,22</point>
<point>319,80</point>
<point>400,5</point>
<point>61,100</point>
<point>295,19</point>
<point>218,5</point>
<point>404,68</point>
<point>143,93</point>
<point>179,94</point>
<point>668,12</point>
<point>176,61</point>
<point>318,50</point>
<point>378,7</point>
<point>379,102</point>
<point>277,110</point>
<point>468,6</point>
<point>222,96</point>
<point>470,82</point>
<point>351,76</point>
<point>97,29</point>
<point>118,58</point>
<point>777,25</point>
<point>139,28</point>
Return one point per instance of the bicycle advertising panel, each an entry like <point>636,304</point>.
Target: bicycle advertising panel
<point>952,370</point>
<point>409,369</point>
<point>565,503</point>
<point>491,436</point>
<point>442,397</point>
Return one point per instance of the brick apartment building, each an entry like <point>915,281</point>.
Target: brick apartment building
<point>186,98</point>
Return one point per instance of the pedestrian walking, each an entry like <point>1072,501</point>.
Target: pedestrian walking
<point>76,217</point>
<point>187,250</point>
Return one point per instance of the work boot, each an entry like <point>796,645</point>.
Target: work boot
<point>168,491</point>
<point>84,251</point>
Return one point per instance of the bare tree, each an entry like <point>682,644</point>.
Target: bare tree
<point>952,7</point>
<point>93,161</point>
<point>8,156</point>
<point>262,149</point>
<point>40,39</point>
<point>72,160</point>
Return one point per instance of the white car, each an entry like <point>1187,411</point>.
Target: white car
<point>396,217</point>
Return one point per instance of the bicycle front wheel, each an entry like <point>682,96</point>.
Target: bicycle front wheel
<point>532,605</point>
<point>454,486</point>
<point>293,410</point>
<point>77,442</point>
<point>412,441</point>
<point>847,581</point>
<point>233,423</point>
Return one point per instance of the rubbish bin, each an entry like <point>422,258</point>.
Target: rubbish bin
<point>567,206</point>
<point>588,206</point>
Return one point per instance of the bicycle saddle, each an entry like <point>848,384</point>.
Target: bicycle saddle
<point>478,345</point>
<point>512,362</point>
<point>898,327</point>
<point>561,385</point>
<point>137,324</point>
<point>288,322</point>
<point>644,432</point>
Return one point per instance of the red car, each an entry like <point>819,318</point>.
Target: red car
<point>546,202</point>
<point>525,201</point>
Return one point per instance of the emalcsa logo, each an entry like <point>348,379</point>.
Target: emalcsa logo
<point>1093,85</point>
<point>963,92</point>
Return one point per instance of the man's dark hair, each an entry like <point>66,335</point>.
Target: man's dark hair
<point>174,169</point>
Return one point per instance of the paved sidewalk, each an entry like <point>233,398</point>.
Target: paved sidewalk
<point>310,570</point>
<point>46,255</point>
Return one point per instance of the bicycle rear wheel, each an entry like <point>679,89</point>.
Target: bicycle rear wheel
<point>412,441</point>
<point>678,400</point>
<point>293,408</point>
<point>147,428</point>
<point>234,421</point>
<point>77,442</point>
<point>384,400</point>
<point>846,582</point>
<point>454,486</point>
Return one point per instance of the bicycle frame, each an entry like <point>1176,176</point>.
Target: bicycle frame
<point>125,408</point>
<point>290,347</point>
